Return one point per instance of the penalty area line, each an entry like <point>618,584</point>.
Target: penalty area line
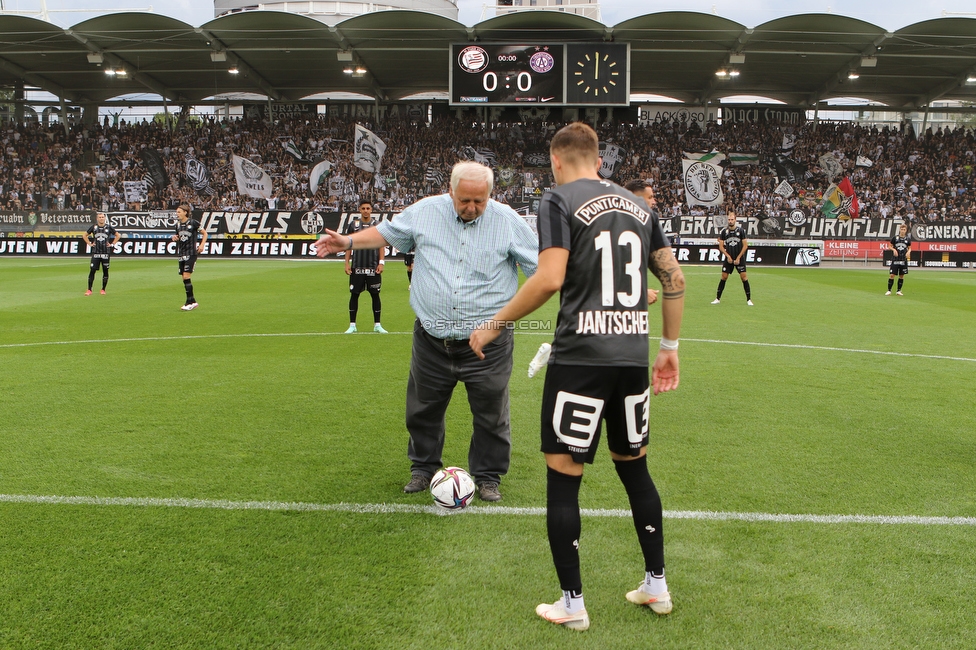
<point>400,508</point>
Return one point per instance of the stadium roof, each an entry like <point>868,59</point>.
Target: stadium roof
<point>800,60</point>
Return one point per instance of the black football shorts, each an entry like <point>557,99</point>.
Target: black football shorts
<point>576,399</point>
<point>365,280</point>
<point>728,267</point>
<point>187,263</point>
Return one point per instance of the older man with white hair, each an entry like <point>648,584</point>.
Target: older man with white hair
<point>468,248</point>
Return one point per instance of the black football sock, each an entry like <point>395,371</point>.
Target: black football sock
<point>645,504</point>
<point>891,281</point>
<point>563,526</point>
<point>901,281</point>
<point>409,276</point>
<point>721,288</point>
<point>377,306</point>
<point>104,280</point>
<point>745,285</point>
<point>188,285</point>
<point>353,307</point>
<point>91,279</point>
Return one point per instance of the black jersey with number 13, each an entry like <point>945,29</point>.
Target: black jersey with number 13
<point>609,233</point>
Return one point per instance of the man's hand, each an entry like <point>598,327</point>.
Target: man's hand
<point>348,267</point>
<point>651,296</point>
<point>485,334</point>
<point>379,268</point>
<point>331,242</point>
<point>664,373</point>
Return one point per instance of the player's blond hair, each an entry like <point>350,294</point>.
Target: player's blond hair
<point>576,144</point>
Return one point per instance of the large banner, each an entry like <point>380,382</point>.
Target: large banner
<point>76,247</point>
<point>755,113</point>
<point>677,113</point>
<point>941,237</point>
<point>280,110</point>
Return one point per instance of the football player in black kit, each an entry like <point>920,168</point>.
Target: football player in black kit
<point>187,230</point>
<point>97,237</point>
<point>364,266</point>
<point>596,243</point>
<point>732,242</point>
<point>901,250</point>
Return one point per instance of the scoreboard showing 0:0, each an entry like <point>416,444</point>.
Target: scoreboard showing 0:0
<point>486,73</point>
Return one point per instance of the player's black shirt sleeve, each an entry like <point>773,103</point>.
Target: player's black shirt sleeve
<point>553,223</point>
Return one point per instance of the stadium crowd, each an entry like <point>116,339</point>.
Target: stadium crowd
<point>44,168</point>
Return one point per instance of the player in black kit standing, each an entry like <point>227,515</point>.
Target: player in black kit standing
<point>732,242</point>
<point>97,237</point>
<point>596,243</point>
<point>901,250</point>
<point>364,267</point>
<point>187,230</point>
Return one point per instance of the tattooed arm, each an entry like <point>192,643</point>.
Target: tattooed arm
<point>664,373</point>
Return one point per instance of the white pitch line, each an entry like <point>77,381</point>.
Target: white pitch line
<point>189,337</point>
<point>400,508</point>
<point>830,349</point>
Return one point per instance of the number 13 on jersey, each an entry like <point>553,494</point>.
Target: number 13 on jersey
<point>629,294</point>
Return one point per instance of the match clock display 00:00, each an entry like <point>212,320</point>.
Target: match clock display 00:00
<point>597,73</point>
<point>506,74</point>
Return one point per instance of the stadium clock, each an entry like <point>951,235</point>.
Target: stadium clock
<point>490,73</point>
<point>597,73</point>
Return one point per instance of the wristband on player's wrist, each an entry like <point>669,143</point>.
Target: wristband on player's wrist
<point>349,248</point>
<point>669,344</point>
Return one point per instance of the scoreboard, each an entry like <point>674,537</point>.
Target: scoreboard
<point>501,74</point>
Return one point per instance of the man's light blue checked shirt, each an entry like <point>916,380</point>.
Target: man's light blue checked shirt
<point>463,272</point>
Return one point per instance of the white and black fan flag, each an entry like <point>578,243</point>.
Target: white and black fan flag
<point>789,142</point>
<point>612,159</point>
<point>135,191</point>
<point>198,176</point>
<point>434,176</point>
<point>483,156</point>
<point>155,174</point>
<point>831,166</point>
<point>368,150</point>
<point>251,179</point>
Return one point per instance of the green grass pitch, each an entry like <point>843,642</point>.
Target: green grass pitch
<point>826,398</point>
